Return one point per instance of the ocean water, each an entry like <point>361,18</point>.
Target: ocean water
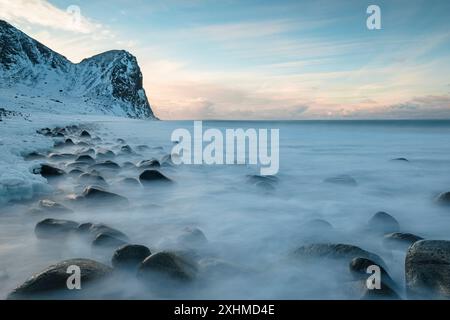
<point>251,231</point>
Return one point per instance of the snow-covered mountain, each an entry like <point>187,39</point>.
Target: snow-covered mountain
<point>36,78</point>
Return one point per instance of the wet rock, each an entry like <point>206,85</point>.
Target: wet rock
<point>85,158</point>
<point>383,222</point>
<point>98,195</point>
<point>192,236</point>
<point>54,279</point>
<point>100,228</point>
<point>86,152</point>
<point>49,228</point>
<point>83,144</point>
<point>61,156</point>
<point>359,270</point>
<point>443,199</point>
<point>126,149</point>
<point>92,179</point>
<point>75,173</point>
<point>69,142</point>
<point>48,171</point>
<point>255,179</point>
<point>130,256</point>
<point>105,240</point>
<point>400,240</point>
<point>153,175</point>
<point>85,134</point>
<point>167,265</point>
<point>34,156</point>
<point>342,180</point>
<point>427,270</point>
<point>53,207</point>
<point>77,164</point>
<point>128,165</point>
<point>85,227</point>
<point>153,163</point>
<point>108,164</point>
<point>105,154</point>
<point>334,251</point>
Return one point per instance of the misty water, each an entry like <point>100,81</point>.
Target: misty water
<point>252,231</point>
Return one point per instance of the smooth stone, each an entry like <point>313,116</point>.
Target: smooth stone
<point>130,182</point>
<point>153,175</point>
<point>105,154</point>
<point>153,163</point>
<point>34,156</point>
<point>61,156</point>
<point>338,251</point>
<point>400,240</point>
<point>54,279</point>
<point>49,228</point>
<point>97,194</point>
<point>100,228</point>
<point>427,270</point>
<point>53,207</point>
<point>48,171</point>
<point>107,241</point>
<point>85,134</point>
<point>126,149</point>
<point>130,256</point>
<point>85,158</point>
<point>167,265</point>
<point>192,236</point>
<point>383,222</point>
<point>342,180</point>
<point>108,164</point>
<point>75,173</point>
<point>89,178</point>
<point>443,199</point>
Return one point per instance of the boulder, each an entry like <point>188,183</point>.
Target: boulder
<point>108,164</point>
<point>34,156</point>
<point>400,240</point>
<point>98,196</point>
<point>153,163</point>
<point>105,240</point>
<point>382,222</point>
<point>167,265</point>
<point>85,158</point>
<point>443,199</point>
<point>427,270</point>
<point>54,279</point>
<point>130,256</point>
<point>85,134</point>
<point>333,251</point>
<point>48,171</point>
<point>152,176</point>
<point>52,207</point>
<point>49,228</point>
<point>192,236</point>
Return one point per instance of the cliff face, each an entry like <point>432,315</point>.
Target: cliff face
<point>108,83</point>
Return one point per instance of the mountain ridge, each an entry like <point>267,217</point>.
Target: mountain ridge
<point>108,83</point>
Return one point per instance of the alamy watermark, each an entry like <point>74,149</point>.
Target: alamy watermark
<point>251,146</point>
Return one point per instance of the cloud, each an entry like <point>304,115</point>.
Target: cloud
<point>44,14</point>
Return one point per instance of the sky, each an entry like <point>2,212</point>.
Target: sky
<point>235,59</point>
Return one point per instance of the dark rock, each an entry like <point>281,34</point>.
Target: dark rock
<point>128,165</point>
<point>334,251</point>
<point>49,228</point>
<point>427,270</point>
<point>69,142</point>
<point>168,265</point>
<point>97,229</point>
<point>75,173</point>
<point>383,222</point>
<point>342,180</point>
<point>400,240</point>
<point>153,163</point>
<point>85,134</point>
<point>48,171</point>
<point>87,152</point>
<point>443,199</point>
<point>54,279</point>
<point>105,154</point>
<point>61,156</point>
<point>153,175</point>
<point>359,270</point>
<point>83,144</point>
<point>53,207</point>
<point>34,156</point>
<point>108,164</point>
<point>85,158</point>
<point>97,194</point>
<point>130,256</point>
<point>85,227</point>
<point>77,164</point>
<point>126,149</point>
<point>107,241</point>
